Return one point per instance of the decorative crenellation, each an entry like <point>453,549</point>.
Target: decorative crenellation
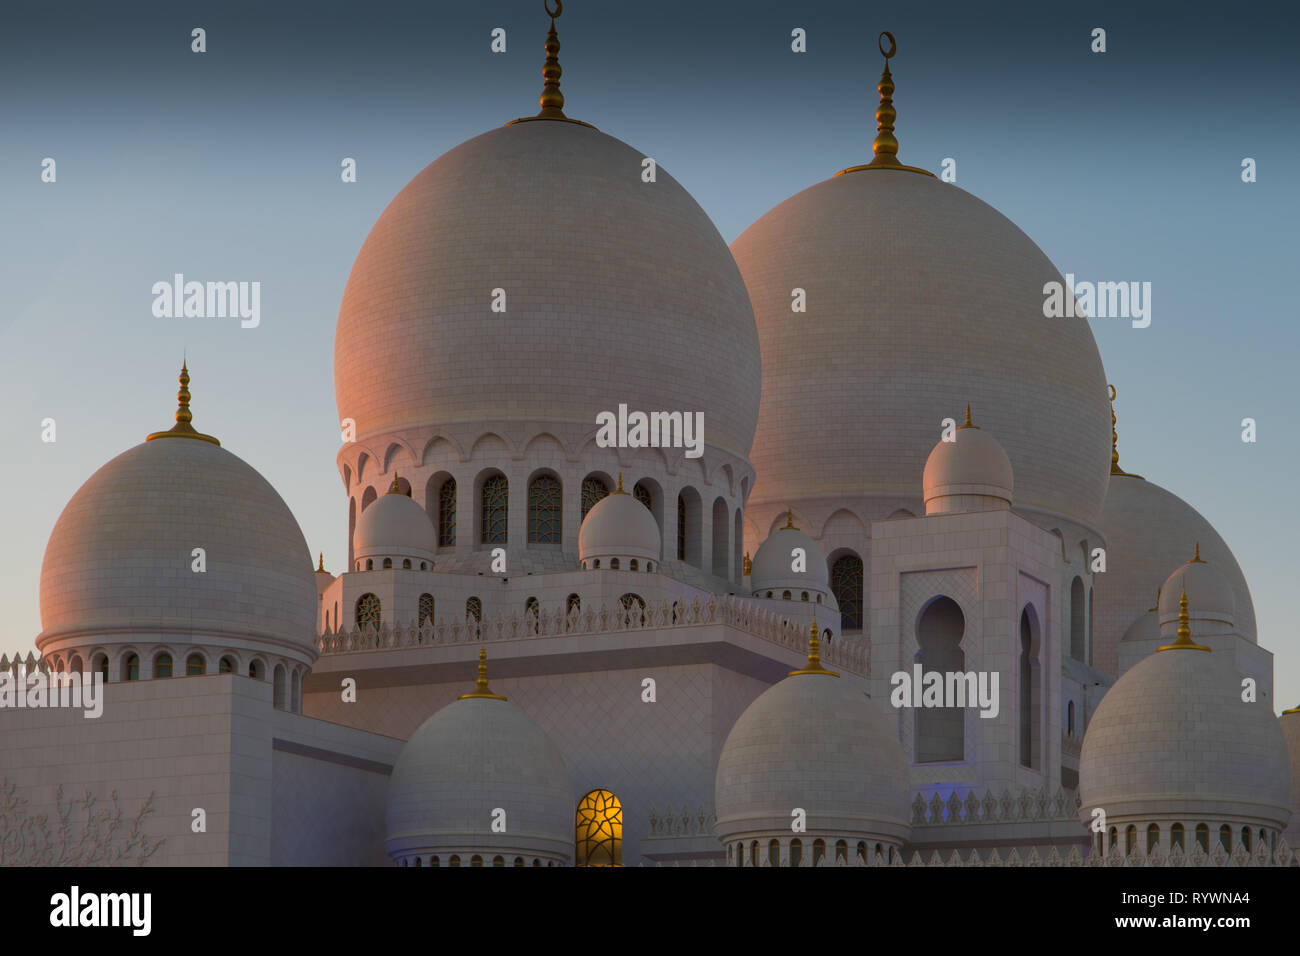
<point>683,824</point>
<point>1024,806</point>
<point>727,610</point>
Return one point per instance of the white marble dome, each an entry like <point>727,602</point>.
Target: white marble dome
<point>618,526</point>
<point>920,298</point>
<point>1145,628</point>
<point>819,743</point>
<point>1210,601</point>
<point>394,526</point>
<point>617,291</point>
<point>468,759</point>
<point>1150,533</point>
<point>1172,739</point>
<point>970,473</point>
<point>771,567</point>
<point>118,566</point>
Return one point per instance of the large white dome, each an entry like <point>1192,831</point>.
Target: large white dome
<point>616,291</point>
<point>920,298</point>
<point>1150,533</point>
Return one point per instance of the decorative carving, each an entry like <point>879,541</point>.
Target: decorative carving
<point>98,840</point>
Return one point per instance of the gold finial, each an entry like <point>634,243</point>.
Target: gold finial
<point>552,100</point>
<point>1291,710</point>
<point>183,428</point>
<point>969,423</point>
<point>481,689</point>
<point>395,489</point>
<point>1115,469</point>
<point>619,490</point>
<point>885,146</point>
<point>814,654</point>
<point>1184,642</point>
<point>1196,558</point>
<point>320,569</point>
<point>789,520</point>
<point>749,565</point>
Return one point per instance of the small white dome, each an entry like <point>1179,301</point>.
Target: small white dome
<point>1145,628</point>
<point>1210,602</point>
<point>1173,737</point>
<point>970,473</point>
<point>619,526</point>
<point>476,755</point>
<point>394,526</point>
<point>771,567</point>
<point>819,743</point>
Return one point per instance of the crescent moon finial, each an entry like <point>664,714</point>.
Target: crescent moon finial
<point>893,45</point>
<point>559,8</point>
<point>1112,392</point>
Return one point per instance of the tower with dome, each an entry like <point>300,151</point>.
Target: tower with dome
<point>941,502</point>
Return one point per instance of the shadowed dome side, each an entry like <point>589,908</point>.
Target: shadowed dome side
<point>615,291</point>
<point>920,298</point>
<point>1150,533</point>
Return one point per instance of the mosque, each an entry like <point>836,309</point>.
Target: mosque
<point>544,651</point>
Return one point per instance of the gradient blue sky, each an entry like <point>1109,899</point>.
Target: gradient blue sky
<point>226,166</point>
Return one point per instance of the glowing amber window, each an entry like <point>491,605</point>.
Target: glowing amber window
<point>447,513</point>
<point>544,510</point>
<point>368,611</point>
<point>593,489</point>
<point>599,824</point>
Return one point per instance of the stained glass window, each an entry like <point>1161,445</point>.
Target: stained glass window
<point>496,499</point>
<point>599,825</point>
<point>593,489</point>
<point>474,612</point>
<point>846,582</point>
<point>447,513</point>
<point>574,603</point>
<point>634,606</point>
<point>642,494</point>
<point>368,611</point>
<point>544,510</point>
<point>426,609</point>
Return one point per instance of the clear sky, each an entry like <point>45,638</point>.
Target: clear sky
<point>225,165</point>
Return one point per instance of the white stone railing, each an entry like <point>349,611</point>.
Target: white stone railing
<point>729,610</point>
<point>684,824</point>
<point>1023,807</point>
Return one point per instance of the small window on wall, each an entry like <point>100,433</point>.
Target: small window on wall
<point>599,830</point>
<point>226,666</point>
<point>194,666</point>
<point>162,665</point>
<point>369,611</point>
<point>426,609</point>
<point>131,667</point>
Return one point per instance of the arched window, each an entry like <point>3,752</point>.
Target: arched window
<point>1245,839</point>
<point>368,611</point>
<point>476,860</point>
<point>796,852</point>
<point>419,861</point>
<point>498,860</point>
<point>846,585</point>
<point>599,830</point>
<point>642,494</point>
<point>1114,837</point>
<point>819,851</point>
<point>634,607</point>
<point>1077,650</point>
<point>75,666</point>
<point>1225,837</point>
<point>681,528</point>
<point>862,851</point>
<point>1089,650</point>
<point>162,665</point>
<point>649,566</point>
<point>426,609</point>
<point>100,664</point>
<point>1176,836</point>
<point>1130,838</point>
<point>753,853</point>
<point>496,502</point>
<point>131,667</point>
<point>941,731</point>
<point>572,604</point>
<point>388,564</point>
<point>1153,837</point>
<point>593,490</point>
<point>519,861</point>
<point>225,666</point>
<point>1203,837</point>
<point>842,850</point>
<point>370,564</point>
<point>455,860</point>
<point>1030,691</point>
<point>1069,718</point>
<point>474,614</point>
<point>544,510</point>
<point>532,614</point>
<point>447,514</point>
<point>277,687</point>
<point>632,565</point>
<point>406,564</point>
<point>803,595</point>
<point>614,564</point>
<point>721,539</point>
<point>194,666</point>
<point>785,595</point>
<point>773,853</point>
<point>256,670</point>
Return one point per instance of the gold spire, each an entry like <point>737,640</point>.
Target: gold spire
<point>885,146</point>
<point>619,490</point>
<point>1184,642</point>
<point>481,689</point>
<point>969,423</point>
<point>395,489</point>
<point>183,428</point>
<point>1115,469</point>
<point>749,565</point>
<point>552,100</point>
<point>1196,558</point>
<point>789,520</point>
<point>814,654</point>
<point>1291,710</point>
<point>321,567</point>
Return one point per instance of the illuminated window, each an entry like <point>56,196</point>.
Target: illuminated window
<point>131,667</point>
<point>447,513</point>
<point>846,583</point>
<point>388,564</point>
<point>162,665</point>
<point>642,494</point>
<point>496,501</point>
<point>406,564</point>
<point>785,595</point>
<point>498,861</point>
<point>614,565</point>
<point>599,830</point>
<point>634,607</point>
<point>476,860</point>
<point>455,860</point>
<point>593,489</point>
<point>368,611</point>
<point>426,609</point>
<point>544,510</point>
